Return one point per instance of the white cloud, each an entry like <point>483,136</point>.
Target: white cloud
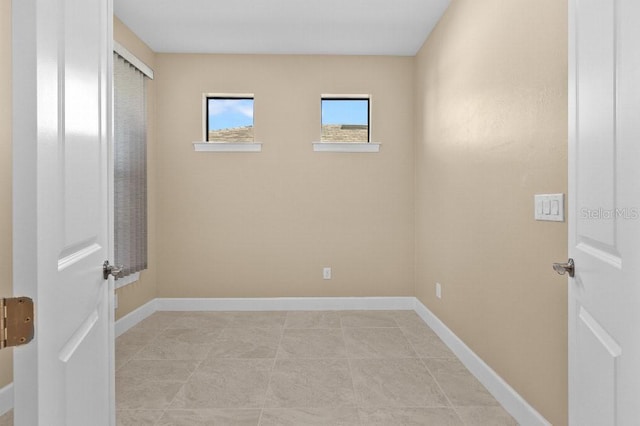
<point>217,107</point>
<point>222,106</point>
<point>245,110</point>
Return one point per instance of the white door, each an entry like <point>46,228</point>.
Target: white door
<point>62,129</point>
<point>604,205</point>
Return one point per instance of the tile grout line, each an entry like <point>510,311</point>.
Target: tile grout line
<point>168,405</point>
<point>273,368</point>
<point>153,340</point>
<point>160,331</point>
<point>132,356</point>
<point>453,407</point>
<point>353,386</point>
<point>429,372</point>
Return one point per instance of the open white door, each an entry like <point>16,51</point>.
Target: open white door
<point>62,128</point>
<point>604,205</point>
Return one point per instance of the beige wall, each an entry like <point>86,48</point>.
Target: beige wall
<point>6,280</point>
<point>137,294</point>
<point>264,224</point>
<point>490,126</point>
<point>491,131</point>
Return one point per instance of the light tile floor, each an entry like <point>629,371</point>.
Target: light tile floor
<point>294,368</point>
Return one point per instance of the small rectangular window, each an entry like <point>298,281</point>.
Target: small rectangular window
<point>229,119</point>
<point>345,119</point>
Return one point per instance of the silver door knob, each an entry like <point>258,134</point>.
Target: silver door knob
<point>111,270</point>
<point>563,268</point>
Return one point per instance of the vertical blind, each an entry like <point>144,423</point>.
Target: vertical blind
<point>130,166</point>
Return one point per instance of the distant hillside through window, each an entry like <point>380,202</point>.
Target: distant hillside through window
<point>330,133</point>
<point>233,134</point>
<point>345,133</point>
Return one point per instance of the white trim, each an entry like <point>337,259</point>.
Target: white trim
<point>134,317</point>
<point>6,399</point>
<point>229,95</point>
<point>520,409</point>
<point>132,59</point>
<point>129,279</point>
<point>227,146</point>
<point>344,96</point>
<point>287,304</point>
<point>346,147</point>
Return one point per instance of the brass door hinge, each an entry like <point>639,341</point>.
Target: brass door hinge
<point>16,321</point>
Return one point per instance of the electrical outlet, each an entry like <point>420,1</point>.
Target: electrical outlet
<point>438,291</point>
<point>326,273</point>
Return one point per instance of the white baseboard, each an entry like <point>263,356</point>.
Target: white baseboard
<point>520,409</point>
<point>134,317</point>
<point>287,304</point>
<point>6,399</point>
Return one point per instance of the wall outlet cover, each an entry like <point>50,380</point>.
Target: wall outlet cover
<point>326,273</point>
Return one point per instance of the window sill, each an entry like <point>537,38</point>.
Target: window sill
<point>346,147</point>
<point>227,146</point>
<point>129,279</point>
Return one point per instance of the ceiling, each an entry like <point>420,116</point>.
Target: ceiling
<point>340,27</point>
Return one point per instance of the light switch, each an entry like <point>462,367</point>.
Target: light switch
<point>549,207</point>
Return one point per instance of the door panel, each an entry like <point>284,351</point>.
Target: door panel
<point>596,118</point>
<point>604,206</point>
<point>80,115</point>
<point>80,364</point>
<point>62,117</point>
<point>597,404</point>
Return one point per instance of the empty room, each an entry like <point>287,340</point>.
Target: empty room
<point>281,212</point>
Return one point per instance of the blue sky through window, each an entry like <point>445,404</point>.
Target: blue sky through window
<point>348,111</point>
<point>229,113</point>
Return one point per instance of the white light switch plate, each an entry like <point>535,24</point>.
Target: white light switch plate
<point>549,207</point>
